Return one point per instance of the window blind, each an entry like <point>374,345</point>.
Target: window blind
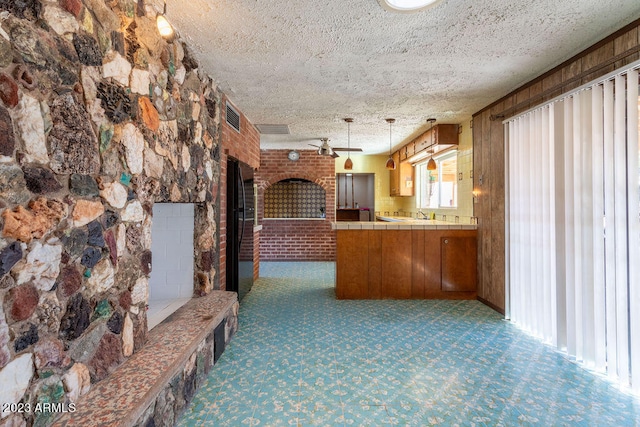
<point>573,224</point>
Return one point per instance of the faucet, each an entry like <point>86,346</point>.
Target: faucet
<point>424,215</point>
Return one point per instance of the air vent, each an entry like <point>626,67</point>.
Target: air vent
<point>273,129</point>
<point>233,117</point>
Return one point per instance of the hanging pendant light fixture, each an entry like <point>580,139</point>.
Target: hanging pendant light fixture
<point>164,27</point>
<point>348,164</point>
<point>431,164</point>
<point>391,164</point>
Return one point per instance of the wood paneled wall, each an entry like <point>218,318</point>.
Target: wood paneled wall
<point>615,51</point>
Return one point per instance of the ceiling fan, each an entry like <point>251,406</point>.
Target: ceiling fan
<point>326,150</point>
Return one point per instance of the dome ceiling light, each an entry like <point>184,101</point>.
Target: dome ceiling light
<point>408,5</point>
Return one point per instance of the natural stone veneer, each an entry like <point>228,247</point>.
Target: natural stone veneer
<point>99,119</point>
<point>156,384</point>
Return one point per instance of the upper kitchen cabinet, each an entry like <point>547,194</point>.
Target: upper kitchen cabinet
<point>434,140</point>
<point>401,178</point>
<point>439,138</point>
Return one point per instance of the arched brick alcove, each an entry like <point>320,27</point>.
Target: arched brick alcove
<point>297,239</point>
<point>294,198</point>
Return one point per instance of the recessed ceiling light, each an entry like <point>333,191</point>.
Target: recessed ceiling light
<point>407,5</point>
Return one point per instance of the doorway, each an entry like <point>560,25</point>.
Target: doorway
<point>355,196</point>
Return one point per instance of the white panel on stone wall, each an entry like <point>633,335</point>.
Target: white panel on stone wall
<point>172,248</point>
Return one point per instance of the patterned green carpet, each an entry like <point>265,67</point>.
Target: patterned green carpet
<point>303,358</point>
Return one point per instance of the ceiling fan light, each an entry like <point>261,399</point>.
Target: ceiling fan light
<point>348,164</point>
<point>431,164</point>
<point>391,164</point>
<point>325,151</point>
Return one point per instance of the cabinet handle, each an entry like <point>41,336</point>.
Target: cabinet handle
<point>446,241</point>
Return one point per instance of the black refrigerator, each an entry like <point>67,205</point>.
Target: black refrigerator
<point>240,217</point>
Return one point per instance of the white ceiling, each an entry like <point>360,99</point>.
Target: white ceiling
<point>308,64</point>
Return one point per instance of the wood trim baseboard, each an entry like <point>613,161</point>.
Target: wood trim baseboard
<point>491,305</point>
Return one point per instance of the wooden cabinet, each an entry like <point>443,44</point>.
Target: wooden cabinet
<point>347,214</point>
<point>406,264</point>
<point>353,275</point>
<point>459,260</point>
<point>407,151</point>
<point>396,256</point>
<point>401,178</point>
<point>444,136</point>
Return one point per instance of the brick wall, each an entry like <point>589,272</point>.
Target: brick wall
<point>244,146</point>
<point>296,239</point>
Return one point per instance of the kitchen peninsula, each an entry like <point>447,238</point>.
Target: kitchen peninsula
<point>405,259</point>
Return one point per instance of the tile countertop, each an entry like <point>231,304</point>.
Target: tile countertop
<point>401,223</point>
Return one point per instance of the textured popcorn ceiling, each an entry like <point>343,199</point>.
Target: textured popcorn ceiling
<point>310,63</point>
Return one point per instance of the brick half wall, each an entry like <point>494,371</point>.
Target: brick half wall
<point>297,239</point>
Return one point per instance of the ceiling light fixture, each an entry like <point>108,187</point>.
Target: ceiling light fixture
<point>431,164</point>
<point>408,5</point>
<point>164,27</point>
<point>391,164</point>
<point>348,164</point>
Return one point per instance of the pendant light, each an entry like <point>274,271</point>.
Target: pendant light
<point>391,164</point>
<point>348,164</point>
<point>164,27</point>
<point>431,164</point>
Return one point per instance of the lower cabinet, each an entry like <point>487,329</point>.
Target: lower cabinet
<point>406,264</point>
<point>459,260</point>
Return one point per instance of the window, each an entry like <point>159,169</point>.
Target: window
<point>438,188</point>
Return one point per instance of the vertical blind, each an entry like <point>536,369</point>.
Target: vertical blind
<point>573,215</point>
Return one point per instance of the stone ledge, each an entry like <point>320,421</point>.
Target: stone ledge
<point>124,397</point>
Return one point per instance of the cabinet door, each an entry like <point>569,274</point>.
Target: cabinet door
<point>352,265</point>
<point>458,264</point>
<point>406,179</point>
<point>396,264</point>
<point>446,134</point>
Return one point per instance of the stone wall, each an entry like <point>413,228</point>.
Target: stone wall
<point>99,119</point>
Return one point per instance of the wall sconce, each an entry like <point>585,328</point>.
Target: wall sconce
<point>164,27</point>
